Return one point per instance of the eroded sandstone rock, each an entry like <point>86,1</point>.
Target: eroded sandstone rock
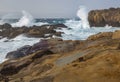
<point>116,35</point>
<point>101,18</point>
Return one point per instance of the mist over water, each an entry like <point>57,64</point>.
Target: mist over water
<point>8,18</point>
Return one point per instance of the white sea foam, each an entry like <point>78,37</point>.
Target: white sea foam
<point>13,44</point>
<point>78,29</point>
<point>82,13</point>
<point>79,24</point>
<point>82,34</point>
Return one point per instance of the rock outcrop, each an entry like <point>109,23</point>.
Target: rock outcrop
<point>53,45</point>
<point>44,31</point>
<point>21,52</point>
<point>100,18</point>
<point>96,59</point>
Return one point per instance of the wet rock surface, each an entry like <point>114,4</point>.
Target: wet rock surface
<point>34,31</point>
<point>55,60</point>
<point>101,18</point>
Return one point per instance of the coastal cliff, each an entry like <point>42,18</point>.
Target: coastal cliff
<point>100,18</point>
<point>96,59</point>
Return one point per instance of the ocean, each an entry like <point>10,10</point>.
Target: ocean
<point>78,29</point>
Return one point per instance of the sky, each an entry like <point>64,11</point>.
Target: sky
<point>53,8</point>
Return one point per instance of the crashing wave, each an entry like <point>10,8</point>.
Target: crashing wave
<point>82,13</point>
<point>26,20</point>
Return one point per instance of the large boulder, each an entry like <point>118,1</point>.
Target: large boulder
<point>100,18</point>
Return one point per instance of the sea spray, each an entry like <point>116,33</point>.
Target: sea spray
<point>25,20</point>
<point>77,28</point>
<point>82,13</point>
<point>82,23</point>
<point>80,29</point>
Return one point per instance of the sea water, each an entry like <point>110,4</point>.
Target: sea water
<point>78,29</point>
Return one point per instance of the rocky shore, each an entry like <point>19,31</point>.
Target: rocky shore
<point>96,59</point>
<point>101,18</point>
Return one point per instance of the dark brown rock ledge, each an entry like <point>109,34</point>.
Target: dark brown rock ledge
<point>44,31</point>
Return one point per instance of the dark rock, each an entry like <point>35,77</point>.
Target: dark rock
<point>14,68</point>
<point>34,31</point>
<point>42,45</point>
<point>21,52</point>
<point>48,45</point>
<point>41,53</point>
<point>5,26</point>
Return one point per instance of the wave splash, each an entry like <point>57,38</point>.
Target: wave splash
<point>78,29</point>
<point>82,23</point>
<point>26,20</point>
<point>82,13</point>
<point>14,44</point>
